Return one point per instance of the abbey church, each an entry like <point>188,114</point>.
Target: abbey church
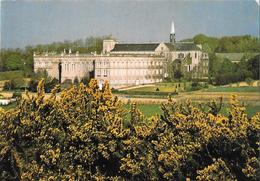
<point>128,64</point>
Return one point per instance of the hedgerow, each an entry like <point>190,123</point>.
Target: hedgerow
<point>84,135</point>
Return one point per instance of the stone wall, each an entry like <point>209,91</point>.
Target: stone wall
<point>71,66</point>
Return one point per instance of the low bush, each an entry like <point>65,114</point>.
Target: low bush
<point>17,95</point>
<point>144,92</point>
<point>49,85</point>
<point>13,84</point>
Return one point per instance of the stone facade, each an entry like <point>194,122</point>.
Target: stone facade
<point>65,66</point>
<point>122,71</point>
<point>119,70</point>
<point>126,64</point>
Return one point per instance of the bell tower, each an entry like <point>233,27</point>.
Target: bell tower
<point>172,33</point>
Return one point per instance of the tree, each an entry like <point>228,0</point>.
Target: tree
<point>229,44</point>
<point>174,69</point>
<point>253,65</point>
<point>13,62</point>
<point>50,82</point>
<point>249,81</point>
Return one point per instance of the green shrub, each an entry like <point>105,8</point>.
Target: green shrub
<point>9,85</point>
<point>249,81</point>
<point>49,85</point>
<point>17,95</point>
<point>144,92</point>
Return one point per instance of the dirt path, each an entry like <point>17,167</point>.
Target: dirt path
<point>135,87</point>
<point>249,97</point>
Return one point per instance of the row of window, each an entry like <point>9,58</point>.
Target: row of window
<point>100,64</point>
<point>132,72</point>
<point>181,55</point>
<point>129,81</point>
<point>70,67</point>
<point>43,64</point>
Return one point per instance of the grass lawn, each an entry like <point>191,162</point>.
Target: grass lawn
<point>153,89</point>
<point>152,109</point>
<point>9,106</point>
<point>250,110</point>
<point>11,75</point>
<point>147,109</point>
<point>233,89</point>
<point>213,89</point>
<point>163,87</point>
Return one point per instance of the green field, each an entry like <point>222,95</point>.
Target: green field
<point>233,89</point>
<point>152,109</point>
<point>147,109</point>
<point>8,75</point>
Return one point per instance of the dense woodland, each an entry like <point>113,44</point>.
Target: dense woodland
<point>228,44</point>
<point>85,135</point>
<point>222,70</point>
<point>21,59</point>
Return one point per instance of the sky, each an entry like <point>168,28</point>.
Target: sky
<point>31,22</point>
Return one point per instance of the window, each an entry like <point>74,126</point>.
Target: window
<point>195,55</point>
<point>180,55</point>
<point>98,73</point>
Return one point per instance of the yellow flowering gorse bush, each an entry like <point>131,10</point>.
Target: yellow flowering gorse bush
<point>84,134</point>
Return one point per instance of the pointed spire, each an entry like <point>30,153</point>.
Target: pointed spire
<point>172,28</point>
<point>172,33</point>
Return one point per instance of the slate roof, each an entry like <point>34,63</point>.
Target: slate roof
<point>178,46</point>
<point>182,46</point>
<point>135,47</point>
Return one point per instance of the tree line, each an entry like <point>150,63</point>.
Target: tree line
<point>223,71</point>
<point>228,44</point>
<point>22,59</point>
